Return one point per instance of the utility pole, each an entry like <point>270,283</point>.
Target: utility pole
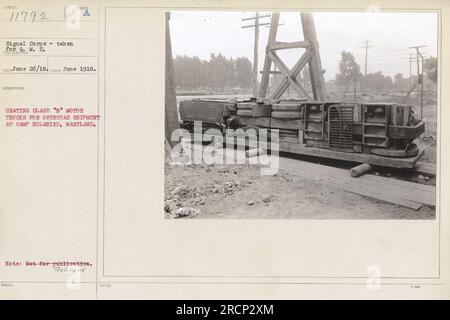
<point>410,67</point>
<point>255,47</point>
<point>366,46</point>
<point>419,60</point>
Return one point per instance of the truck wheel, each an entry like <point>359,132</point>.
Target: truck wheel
<point>412,151</point>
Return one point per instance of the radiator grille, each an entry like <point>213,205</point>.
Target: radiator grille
<point>341,128</point>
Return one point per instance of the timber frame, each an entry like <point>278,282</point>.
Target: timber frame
<point>310,57</point>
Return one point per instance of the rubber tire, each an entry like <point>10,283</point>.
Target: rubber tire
<point>286,114</point>
<point>286,107</point>
<point>245,112</point>
<point>411,152</point>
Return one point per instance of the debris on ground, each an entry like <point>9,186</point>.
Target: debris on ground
<point>423,177</point>
<point>183,212</point>
<point>429,138</point>
<point>226,188</point>
<point>267,198</point>
<point>183,194</point>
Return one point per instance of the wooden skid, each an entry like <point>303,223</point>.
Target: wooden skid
<point>299,148</point>
<point>349,156</point>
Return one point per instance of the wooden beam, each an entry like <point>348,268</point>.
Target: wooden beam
<point>254,25</point>
<point>282,87</point>
<point>292,81</point>
<point>380,194</point>
<point>289,45</point>
<point>273,72</point>
<point>349,156</point>
<point>315,65</point>
<point>267,61</point>
<point>401,189</point>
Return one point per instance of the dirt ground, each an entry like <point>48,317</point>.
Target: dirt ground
<point>241,192</point>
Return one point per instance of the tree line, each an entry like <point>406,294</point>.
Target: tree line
<point>351,78</point>
<point>217,74</point>
<point>221,74</point>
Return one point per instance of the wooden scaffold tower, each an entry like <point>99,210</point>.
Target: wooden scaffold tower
<point>310,57</point>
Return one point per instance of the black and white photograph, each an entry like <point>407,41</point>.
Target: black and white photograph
<point>301,114</point>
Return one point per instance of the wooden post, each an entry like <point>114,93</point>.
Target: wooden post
<point>267,60</point>
<point>255,56</point>
<point>315,65</point>
<point>171,112</point>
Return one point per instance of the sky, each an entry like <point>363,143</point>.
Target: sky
<point>200,33</point>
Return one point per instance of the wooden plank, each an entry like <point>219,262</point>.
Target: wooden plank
<point>383,196</point>
<point>426,168</point>
<point>315,65</point>
<point>399,183</point>
<point>406,192</point>
<point>350,156</point>
<point>279,45</point>
<point>267,61</point>
<point>288,74</point>
<point>301,63</point>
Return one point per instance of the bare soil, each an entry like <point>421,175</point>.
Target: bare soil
<point>239,191</point>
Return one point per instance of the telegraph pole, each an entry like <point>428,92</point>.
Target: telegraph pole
<point>410,67</point>
<point>419,60</point>
<point>366,46</point>
<point>255,47</point>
